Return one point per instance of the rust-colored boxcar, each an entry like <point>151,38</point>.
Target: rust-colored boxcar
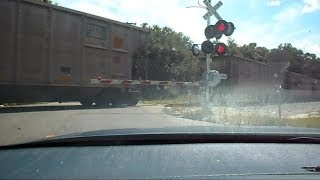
<point>50,53</point>
<point>252,81</point>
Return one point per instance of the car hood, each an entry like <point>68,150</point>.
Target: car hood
<point>198,130</point>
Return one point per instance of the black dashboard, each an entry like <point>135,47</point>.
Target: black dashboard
<point>167,161</point>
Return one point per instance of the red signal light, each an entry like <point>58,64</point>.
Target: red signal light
<point>221,27</point>
<point>220,49</point>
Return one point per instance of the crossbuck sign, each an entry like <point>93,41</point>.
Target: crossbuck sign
<point>212,10</point>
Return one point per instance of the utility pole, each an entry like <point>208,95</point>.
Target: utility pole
<point>147,66</point>
<point>211,11</point>
<point>207,93</point>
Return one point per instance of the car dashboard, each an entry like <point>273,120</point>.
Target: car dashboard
<point>164,161</point>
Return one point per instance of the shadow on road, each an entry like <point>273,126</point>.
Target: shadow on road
<point>18,109</point>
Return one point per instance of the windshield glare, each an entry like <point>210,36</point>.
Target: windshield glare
<point>71,67</point>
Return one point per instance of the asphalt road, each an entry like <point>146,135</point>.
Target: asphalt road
<point>32,122</point>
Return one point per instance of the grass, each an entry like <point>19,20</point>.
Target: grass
<point>228,116</point>
<point>180,106</point>
<point>181,101</point>
<point>310,122</point>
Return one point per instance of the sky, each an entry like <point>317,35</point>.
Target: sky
<point>266,22</point>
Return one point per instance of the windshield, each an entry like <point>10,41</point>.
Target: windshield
<point>77,66</point>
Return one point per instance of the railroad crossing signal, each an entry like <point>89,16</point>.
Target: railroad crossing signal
<point>212,10</point>
<point>216,31</point>
<point>220,28</point>
<point>209,48</point>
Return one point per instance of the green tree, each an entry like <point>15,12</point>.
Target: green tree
<point>234,48</point>
<point>48,1</point>
<point>261,54</point>
<point>254,52</point>
<point>166,55</point>
<point>144,25</point>
<point>300,62</point>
